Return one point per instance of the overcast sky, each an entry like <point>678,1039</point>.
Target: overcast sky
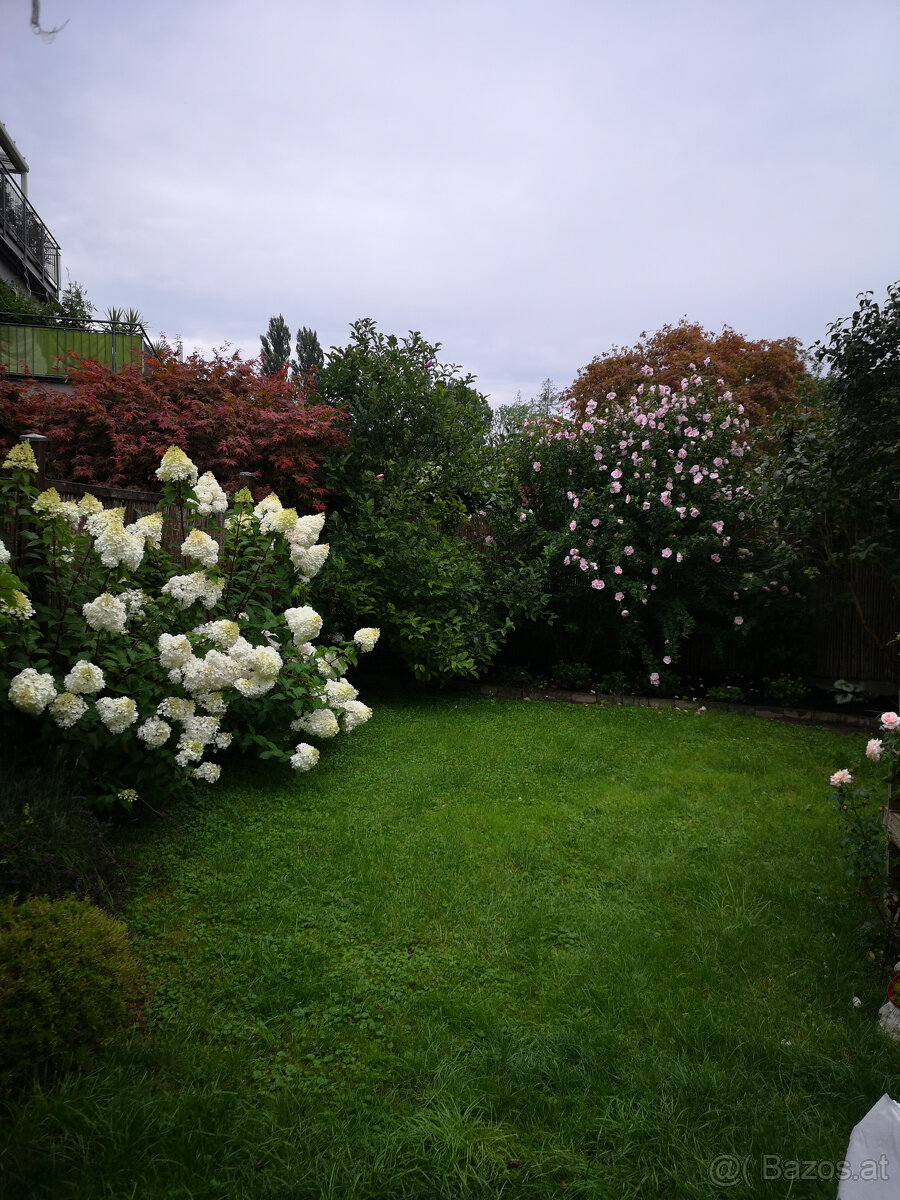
<point>526,182</point>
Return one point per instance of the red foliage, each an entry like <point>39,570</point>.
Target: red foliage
<point>114,428</point>
<point>764,376</point>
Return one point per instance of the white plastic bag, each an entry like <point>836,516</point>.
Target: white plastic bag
<point>871,1169</point>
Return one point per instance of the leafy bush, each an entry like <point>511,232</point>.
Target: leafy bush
<point>645,514</point>
<point>113,428</point>
<point>101,607</point>
<point>727,693</point>
<point>414,497</point>
<point>785,690</point>
<point>67,977</point>
<point>574,676</point>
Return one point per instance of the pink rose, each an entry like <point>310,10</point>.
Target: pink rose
<point>598,584</point>
<point>873,749</point>
<point>738,620</point>
<point>890,720</point>
<point>840,777</point>
<point>654,679</point>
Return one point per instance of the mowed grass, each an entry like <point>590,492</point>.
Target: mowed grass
<point>488,949</point>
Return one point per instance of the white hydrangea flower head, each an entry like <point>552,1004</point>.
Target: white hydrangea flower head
<point>134,600</point>
<point>112,541</point>
<point>202,547</point>
<point>211,673</point>
<point>21,458</point>
<point>150,528</point>
<point>222,741</point>
<point>330,665</point>
<point>18,607</point>
<point>49,504</point>
<point>304,624</point>
<point>67,708</point>
<point>209,496</point>
<point>208,772</point>
<point>188,589</point>
<point>97,519</point>
<point>175,650</point>
<point>4,554</point>
<point>155,732</point>
<point>84,678</point>
<point>281,520</point>
<point>308,563</point>
<point>268,505</point>
<point>117,713</point>
<point>201,729</point>
<point>88,505</point>
<point>304,757</point>
<point>107,613</point>
<point>355,713</point>
<point>176,709</point>
<point>176,467</point>
<point>222,633</point>
<point>190,750</point>
<point>253,684</point>
<point>339,692</point>
<point>366,639</point>
<point>31,692</point>
<point>212,702</point>
<point>306,531</point>
<point>265,661</point>
<point>322,723</point>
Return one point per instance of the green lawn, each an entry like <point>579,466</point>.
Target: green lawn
<point>488,949</point>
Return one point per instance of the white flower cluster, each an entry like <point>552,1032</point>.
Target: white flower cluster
<point>107,614</point>
<point>176,467</point>
<point>84,678</point>
<point>116,545</point>
<point>49,504</point>
<point>209,496</point>
<point>188,589</point>
<point>300,533</point>
<point>31,692</point>
<point>304,757</point>
<point>154,732</point>
<point>67,708</point>
<point>304,624</point>
<point>366,639</point>
<point>202,547</point>
<point>4,554</point>
<point>221,633</point>
<point>117,713</point>
<point>21,458</point>
<point>321,723</point>
<point>18,607</point>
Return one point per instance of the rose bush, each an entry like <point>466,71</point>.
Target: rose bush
<point>646,512</point>
<point>147,660</point>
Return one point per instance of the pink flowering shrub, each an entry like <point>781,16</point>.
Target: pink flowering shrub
<point>646,512</point>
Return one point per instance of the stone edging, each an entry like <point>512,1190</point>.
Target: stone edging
<point>851,720</point>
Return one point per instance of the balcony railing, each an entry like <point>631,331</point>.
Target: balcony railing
<point>42,347</point>
<point>26,239</point>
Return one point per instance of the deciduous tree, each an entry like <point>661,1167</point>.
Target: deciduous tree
<point>763,375</point>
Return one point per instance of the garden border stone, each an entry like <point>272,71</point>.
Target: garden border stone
<point>765,713</point>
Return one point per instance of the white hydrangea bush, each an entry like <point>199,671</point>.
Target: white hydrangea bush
<point>151,645</point>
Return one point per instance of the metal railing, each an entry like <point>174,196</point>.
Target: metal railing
<point>43,347</point>
<point>24,234</point>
